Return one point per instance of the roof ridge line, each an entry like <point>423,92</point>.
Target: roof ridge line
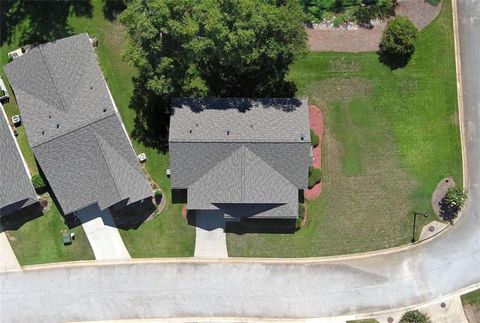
<point>108,164</point>
<point>73,130</point>
<point>40,49</point>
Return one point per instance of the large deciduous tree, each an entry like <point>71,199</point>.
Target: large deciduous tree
<point>221,48</point>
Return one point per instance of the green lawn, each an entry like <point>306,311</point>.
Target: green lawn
<point>390,137</point>
<point>472,298</point>
<point>167,235</point>
<point>39,239</point>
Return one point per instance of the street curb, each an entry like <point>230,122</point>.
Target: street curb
<point>308,260</point>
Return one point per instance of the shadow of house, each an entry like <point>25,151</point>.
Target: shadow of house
<point>16,220</point>
<point>133,216</point>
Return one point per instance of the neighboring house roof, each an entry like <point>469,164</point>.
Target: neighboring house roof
<point>73,126</point>
<point>16,189</point>
<point>247,157</point>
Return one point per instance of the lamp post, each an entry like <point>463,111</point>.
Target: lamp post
<point>415,222</point>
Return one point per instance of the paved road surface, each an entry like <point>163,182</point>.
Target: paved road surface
<point>103,235</point>
<point>442,266</point>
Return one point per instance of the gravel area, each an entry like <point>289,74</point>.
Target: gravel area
<point>358,39</point>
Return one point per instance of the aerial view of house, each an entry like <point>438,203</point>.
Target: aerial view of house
<point>16,189</point>
<point>248,158</point>
<point>73,126</point>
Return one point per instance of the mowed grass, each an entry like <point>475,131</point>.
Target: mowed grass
<point>167,235</point>
<point>390,137</point>
<point>39,240</point>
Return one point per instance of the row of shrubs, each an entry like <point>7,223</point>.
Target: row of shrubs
<point>343,11</point>
<point>314,176</point>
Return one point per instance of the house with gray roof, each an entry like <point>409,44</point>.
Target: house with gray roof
<point>74,128</point>
<point>16,189</point>
<point>248,158</point>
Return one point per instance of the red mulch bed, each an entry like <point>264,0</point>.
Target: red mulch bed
<point>316,124</point>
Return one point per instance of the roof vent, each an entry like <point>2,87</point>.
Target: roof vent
<point>190,130</point>
<point>58,125</point>
<point>228,132</point>
<point>196,125</point>
<point>43,132</point>
<point>105,110</point>
<point>251,126</point>
<point>91,87</point>
<point>49,117</point>
<point>302,137</point>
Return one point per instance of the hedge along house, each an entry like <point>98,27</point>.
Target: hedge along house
<point>74,128</point>
<point>247,158</point>
<point>16,189</point>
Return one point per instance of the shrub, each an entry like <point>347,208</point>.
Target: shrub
<point>452,202</point>
<point>314,138</point>
<point>315,176</point>
<point>158,194</point>
<point>38,182</point>
<point>301,216</point>
<point>398,42</point>
<point>414,317</point>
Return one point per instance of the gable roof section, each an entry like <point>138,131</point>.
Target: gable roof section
<point>73,127</point>
<point>244,184</point>
<point>16,189</point>
<point>239,120</point>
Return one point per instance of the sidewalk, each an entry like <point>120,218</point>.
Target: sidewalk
<point>8,260</point>
<point>103,235</point>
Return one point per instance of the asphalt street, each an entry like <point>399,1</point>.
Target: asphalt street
<point>440,267</point>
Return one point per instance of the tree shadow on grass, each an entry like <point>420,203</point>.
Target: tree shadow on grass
<point>393,61</point>
<point>39,21</point>
<point>113,8</point>
<point>152,117</point>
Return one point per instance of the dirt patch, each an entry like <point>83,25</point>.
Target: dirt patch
<point>439,193</point>
<point>359,39</point>
<point>472,312</point>
<point>344,65</point>
<point>343,89</point>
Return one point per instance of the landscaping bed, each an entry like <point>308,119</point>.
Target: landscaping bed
<point>389,138</point>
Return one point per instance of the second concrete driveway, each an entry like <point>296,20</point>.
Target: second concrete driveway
<point>102,233</point>
<point>210,240</point>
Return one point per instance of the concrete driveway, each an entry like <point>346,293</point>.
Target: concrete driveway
<point>102,233</point>
<point>8,260</point>
<point>210,240</point>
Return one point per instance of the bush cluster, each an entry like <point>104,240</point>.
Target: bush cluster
<point>361,11</point>
<point>452,202</point>
<point>301,216</point>
<point>398,42</point>
<point>314,177</point>
<point>38,182</point>
<point>314,138</point>
<point>414,317</point>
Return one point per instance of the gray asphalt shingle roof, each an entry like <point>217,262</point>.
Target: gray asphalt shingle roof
<point>239,120</point>
<point>247,157</point>
<point>73,127</point>
<point>16,189</point>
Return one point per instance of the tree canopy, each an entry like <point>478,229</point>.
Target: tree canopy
<point>398,42</point>
<point>229,48</point>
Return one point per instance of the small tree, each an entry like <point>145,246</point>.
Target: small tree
<point>398,42</point>
<point>414,317</point>
<point>453,202</point>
